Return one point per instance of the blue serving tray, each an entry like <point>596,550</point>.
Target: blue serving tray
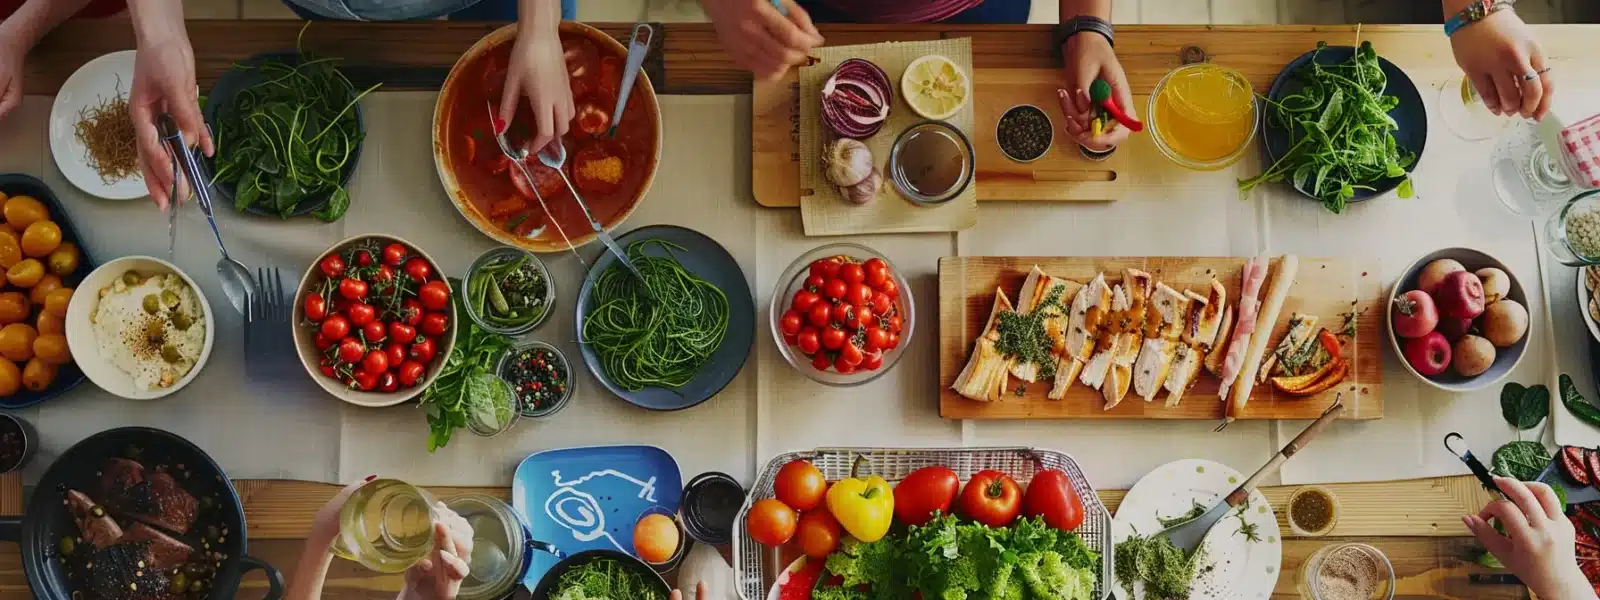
<point>588,498</point>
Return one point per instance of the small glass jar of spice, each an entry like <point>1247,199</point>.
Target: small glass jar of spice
<point>540,376</point>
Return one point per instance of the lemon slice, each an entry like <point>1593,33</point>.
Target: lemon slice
<point>935,87</point>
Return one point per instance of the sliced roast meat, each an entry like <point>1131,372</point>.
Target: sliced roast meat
<point>126,572</point>
<point>1574,464</point>
<point>150,497</point>
<point>118,476</point>
<point>165,551</point>
<point>99,530</point>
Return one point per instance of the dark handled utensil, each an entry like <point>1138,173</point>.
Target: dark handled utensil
<point>268,337</point>
<point>638,47</point>
<point>1187,535</point>
<point>1453,439</point>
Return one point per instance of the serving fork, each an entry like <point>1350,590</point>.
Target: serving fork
<point>268,328</point>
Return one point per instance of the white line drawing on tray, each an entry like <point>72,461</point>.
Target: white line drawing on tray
<point>580,512</point>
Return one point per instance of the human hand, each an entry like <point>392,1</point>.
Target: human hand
<point>439,576</point>
<point>761,39</point>
<point>1088,56</point>
<point>11,54</point>
<point>538,69</point>
<point>325,526</point>
<point>1496,54</point>
<point>1538,542</point>
<point>163,83</point>
<point>701,592</point>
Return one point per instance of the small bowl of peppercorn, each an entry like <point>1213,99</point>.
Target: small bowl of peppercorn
<point>1024,133</point>
<point>540,376</point>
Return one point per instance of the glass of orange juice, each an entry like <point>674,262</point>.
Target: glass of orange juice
<point>1203,116</point>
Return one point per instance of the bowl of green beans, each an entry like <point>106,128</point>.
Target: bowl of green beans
<point>509,291</point>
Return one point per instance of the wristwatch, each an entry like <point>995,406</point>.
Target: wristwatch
<point>1082,23</point>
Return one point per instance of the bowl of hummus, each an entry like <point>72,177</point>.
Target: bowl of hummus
<point>142,329</point>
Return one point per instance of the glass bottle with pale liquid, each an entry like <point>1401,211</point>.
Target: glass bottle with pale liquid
<point>1203,116</point>
<point>386,525</point>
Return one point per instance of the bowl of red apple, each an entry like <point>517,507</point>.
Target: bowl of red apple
<point>1458,319</point>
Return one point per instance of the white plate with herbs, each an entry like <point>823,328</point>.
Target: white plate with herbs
<point>1588,304</point>
<point>1242,552</point>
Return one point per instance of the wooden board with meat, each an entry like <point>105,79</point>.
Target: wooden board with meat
<point>1192,337</point>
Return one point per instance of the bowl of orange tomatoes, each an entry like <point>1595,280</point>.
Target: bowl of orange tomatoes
<point>842,314</point>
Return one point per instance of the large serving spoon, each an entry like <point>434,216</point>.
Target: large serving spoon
<point>1188,534</point>
<point>638,47</point>
<point>554,156</point>
<point>237,284</point>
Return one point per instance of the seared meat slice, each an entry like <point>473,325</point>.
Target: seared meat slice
<point>150,497</point>
<point>166,552</point>
<point>100,530</point>
<point>125,572</point>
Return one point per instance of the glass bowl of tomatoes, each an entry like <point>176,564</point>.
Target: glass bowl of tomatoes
<point>842,314</point>
<point>374,320</point>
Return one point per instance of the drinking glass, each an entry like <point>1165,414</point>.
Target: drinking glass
<point>1464,112</point>
<point>386,525</point>
<point>1527,178</point>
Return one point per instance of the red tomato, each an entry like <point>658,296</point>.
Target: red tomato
<point>410,312</point>
<point>363,258</point>
<point>881,303</point>
<point>351,351</point>
<point>327,369</point>
<point>434,323</point>
<point>374,331</point>
<point>924,492</point>
<point>818,533</point>
<point>322,342</point>
<point>873,361</point>
<point>833,338</point>
<point>418,269</point>
<point>889,288</point>
<point>402,333</point>
<point>842,367</point>
<point>361,314</point>
<point>354,289</point>
<point>852,274</point>
<point>851,354</point>
<point>858,294</point>
<point>820,315</point>
<point>820,361</point>
<point>877,339</point>
<point>394,254</point>
<point>895,323</point>
<point>1050,495</point>
<point>894,341</point>
<point>862,317</point>
<point>771,522</point>
<point>814,282</point>
<point>789,340</point>
<point>826,267</point>
<point>387,382</point>
<point>365,381</point>
<point>435,295</point>
<point>835,289</point>
<point>384,274</point>
<point>808,340</point>
<point>800,485</point>
<point>396,353</point>
<point>991,498</point>
<point>805,299</point>
<point>790,322</point>
<point>335,327</point>
<point>410,373</point>
<point>877,271</point>
<point>842,314</point>
<point>376,362</point>
<point>422,350</point>
<point>316,308</point>
<point>332,266</point>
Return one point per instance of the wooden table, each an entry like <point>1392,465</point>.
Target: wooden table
<point>1416,522</point>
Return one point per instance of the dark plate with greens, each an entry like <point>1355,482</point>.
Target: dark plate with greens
<point>1342,125</point>
<point>680,347</point>
<point>288,135</point>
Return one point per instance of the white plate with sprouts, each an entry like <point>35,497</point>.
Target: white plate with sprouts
<point>94,85</point>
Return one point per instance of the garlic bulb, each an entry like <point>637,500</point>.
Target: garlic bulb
<point>847,162</point>
<point>864,191</point>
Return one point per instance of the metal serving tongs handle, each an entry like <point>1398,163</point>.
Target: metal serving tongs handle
<point>1473,464</point>
<point>638,47</point>
<point>184,159</point>
<point>516,158</point>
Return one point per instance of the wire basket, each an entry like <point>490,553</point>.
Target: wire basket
<point>756,567</point>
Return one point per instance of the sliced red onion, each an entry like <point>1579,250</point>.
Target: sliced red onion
<point>856,99</point>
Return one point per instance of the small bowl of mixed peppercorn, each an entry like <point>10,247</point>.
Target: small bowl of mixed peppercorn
<point>1024,133</point>
<point>540,376</point>
<point>508,291</point>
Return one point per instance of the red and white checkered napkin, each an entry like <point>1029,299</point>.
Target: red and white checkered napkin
<point>1581,141</point>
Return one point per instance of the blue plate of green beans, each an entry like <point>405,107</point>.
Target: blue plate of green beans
<point>508,291</point>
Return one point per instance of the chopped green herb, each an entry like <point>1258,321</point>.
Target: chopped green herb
<point>1165,570</point>
<point>1024,337</point>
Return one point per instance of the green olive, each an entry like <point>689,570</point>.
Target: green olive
<point>131,278</point>
<point>180,582</point>
<point>68,544</point>
<point>182,321</point>
<point>169,298</point>
<point>197,585</point>
<point>152,304</point>
<point>170,353</point>
<point>206,502</point>
<point>97,511</point>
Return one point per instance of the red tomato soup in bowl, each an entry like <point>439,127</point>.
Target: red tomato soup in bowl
<point>611,173</point>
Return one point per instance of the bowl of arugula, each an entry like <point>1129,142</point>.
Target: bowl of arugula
<point>288,135</point>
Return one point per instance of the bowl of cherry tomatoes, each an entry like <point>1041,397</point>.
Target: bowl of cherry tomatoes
<point>374,320</point>
<point>842,314</point>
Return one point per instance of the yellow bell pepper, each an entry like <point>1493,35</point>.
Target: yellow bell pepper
<point>863,506</point>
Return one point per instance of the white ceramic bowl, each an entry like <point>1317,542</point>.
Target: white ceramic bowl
<point>1505,359</point>
<point>85,346</point>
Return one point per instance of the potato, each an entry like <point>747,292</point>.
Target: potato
<point>1472,356</point>
<point>1504,323</point>
<point>1432,275</point>
<point>1496,284</point>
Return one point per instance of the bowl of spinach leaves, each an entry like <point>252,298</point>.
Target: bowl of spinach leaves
<point>288,134</point>
<point>1342,125</point>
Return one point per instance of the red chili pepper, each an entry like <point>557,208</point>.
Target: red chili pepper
<point>1330,343</point>
<point>1100,93</point>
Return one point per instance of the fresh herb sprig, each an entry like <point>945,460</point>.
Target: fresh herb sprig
<point>604,579</point>
<point>464,381</point>
<point>1024,337</point>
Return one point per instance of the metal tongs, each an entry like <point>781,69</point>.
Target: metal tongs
<point>237,284</point>
<point>517,156</point>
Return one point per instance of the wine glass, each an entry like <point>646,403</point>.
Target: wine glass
<point>1464,112</point>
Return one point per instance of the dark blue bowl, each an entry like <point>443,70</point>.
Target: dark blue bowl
<point>68,376</point>
<point>708,260</point>
<point>1410,115</point>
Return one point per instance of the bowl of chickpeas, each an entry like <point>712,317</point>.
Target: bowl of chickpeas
<point>43,265</point>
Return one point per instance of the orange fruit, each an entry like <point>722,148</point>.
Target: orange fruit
<point>655,538</point>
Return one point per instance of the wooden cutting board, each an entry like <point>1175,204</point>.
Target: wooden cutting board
<point>1061,175</point>
<point>1328,288</point>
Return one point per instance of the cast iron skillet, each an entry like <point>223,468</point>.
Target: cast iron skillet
<point>547,584</point>
<point>40,529</point>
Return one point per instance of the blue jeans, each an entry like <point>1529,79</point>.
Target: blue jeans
<point>990,12</point>
<point>394,10</point>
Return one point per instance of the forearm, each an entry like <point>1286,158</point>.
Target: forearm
<point>311,570</point>
<point>1087,8</point>
<point>36,18</point>
<point>156,20</point>
<point>539,16</point>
